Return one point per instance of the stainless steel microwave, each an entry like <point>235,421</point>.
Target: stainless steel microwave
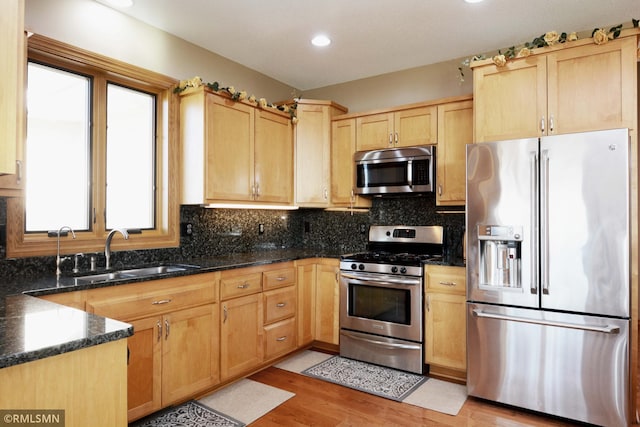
<point>395,170</point>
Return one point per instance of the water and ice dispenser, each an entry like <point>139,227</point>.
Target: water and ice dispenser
<point>500,252</point>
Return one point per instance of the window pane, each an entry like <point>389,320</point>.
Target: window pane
<point>130,158</point>
<point>58,149</point>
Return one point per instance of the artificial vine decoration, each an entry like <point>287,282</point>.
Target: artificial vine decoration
<point>236,95</point>
<point>599,36</point>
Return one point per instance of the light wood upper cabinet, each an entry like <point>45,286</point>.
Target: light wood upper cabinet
<point>273,158</point>
<point>591,87</point>
<point>403,128</point>
<point>343,145</point>
<point>574,88</point>
<point>445,321</point>
<point>12,70</point>
<point>455,131</point>
<point>312,134</point>
<point>233,151</point>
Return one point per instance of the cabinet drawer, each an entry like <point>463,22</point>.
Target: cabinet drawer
<point>128,302</point>
<point>278,278</point>
<point>235,286</point>
<point>280,338</point>
<point>279,304</point>
<point>448,279</point>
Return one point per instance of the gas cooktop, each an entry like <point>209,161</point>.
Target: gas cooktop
<point>393,248</point>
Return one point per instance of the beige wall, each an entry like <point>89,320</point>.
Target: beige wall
<point>403,87</point>
<point>97,28</point>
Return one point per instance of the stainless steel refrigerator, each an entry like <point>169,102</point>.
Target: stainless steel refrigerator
<point>548,274</point>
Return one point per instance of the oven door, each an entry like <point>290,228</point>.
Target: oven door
<point>381,304</point>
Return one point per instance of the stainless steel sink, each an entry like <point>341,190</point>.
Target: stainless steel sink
<point>132,273</point>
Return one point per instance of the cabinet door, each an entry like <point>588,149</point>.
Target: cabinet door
<point>12,70</point>
<point>241,336</point>
<point>144,368</point>
<point>273,158</point>
<point>306,303</point>
<point>229,150</point>
<point>415,126</point>
<point>445,330</point>
<point>374,132</point>
<point>327,304</point>
<point>313,151</point>
<point>591,87</point>
<point>455,131</point>
<point>343,145</point>
<point>509,102</point>
<point>189,352</point>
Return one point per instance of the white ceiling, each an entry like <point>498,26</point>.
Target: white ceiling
<point>370,37</point>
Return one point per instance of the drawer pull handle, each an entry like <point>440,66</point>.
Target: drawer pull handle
<point>448,283</point>
<point>162,301</point>
<point>281,338</point>
<point>281,278</point>
<point>245,285</point>
<point>281,304</point>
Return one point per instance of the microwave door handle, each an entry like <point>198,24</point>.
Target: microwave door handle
<point>410,173</point>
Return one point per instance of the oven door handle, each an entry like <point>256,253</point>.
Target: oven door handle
<point>369,279</point>
<point>381,343</point>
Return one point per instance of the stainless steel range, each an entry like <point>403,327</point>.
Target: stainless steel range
<point>381,296</point>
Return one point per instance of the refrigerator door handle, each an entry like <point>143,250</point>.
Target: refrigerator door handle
<point>533,238</point>
<point>544,220</point>
<point>608,329</point>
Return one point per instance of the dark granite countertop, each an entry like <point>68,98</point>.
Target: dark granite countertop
<point>32,328</point>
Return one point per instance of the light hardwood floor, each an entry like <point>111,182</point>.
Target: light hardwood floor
<point>319,403</point>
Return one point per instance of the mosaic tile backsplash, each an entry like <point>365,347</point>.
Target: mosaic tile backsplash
<point>224,231</point>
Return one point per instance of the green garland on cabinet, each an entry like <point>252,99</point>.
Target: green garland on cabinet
<point>238,95</point>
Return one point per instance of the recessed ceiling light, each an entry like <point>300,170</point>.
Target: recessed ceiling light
<point>473,1</point>
<point>321,40</point>
<point>119,3</point>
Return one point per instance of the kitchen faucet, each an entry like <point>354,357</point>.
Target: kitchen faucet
<point>107,244</point>
<point>58,260</point>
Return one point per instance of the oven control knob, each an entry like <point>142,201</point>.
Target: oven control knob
<point>394,269</point>
<point>361,267</point>
<point>403,270</point>
<point>354,266</point>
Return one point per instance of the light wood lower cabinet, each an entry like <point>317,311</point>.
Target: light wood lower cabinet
<point>445,321</point>
<point>257,320</point>
<point>241,339</point>
<point>327,303</point>
<point>175,323</point>
<point>88,384</point>
<point>306,273</point>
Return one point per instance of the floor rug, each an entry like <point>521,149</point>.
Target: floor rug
<point>303,360</point>
<point>246,400</point>
<point>385,382</point>
<point>437,395</point>
<point>190,414</point>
